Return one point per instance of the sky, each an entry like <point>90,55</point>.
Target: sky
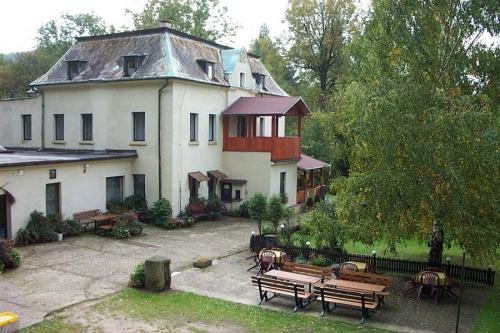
<point>20,19</point>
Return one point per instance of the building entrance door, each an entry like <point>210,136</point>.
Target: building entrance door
<point>3,216</point>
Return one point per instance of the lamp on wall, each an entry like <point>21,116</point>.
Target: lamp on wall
<point>20,172</point>
<point>86,166</point>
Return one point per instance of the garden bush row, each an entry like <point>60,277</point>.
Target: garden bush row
<point>42,229</point>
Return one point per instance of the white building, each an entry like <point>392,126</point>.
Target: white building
<point>156,112</point>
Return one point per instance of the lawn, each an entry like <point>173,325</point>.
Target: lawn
<point>174,310</point>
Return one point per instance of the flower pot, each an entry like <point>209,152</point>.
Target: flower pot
<point>59,236</point>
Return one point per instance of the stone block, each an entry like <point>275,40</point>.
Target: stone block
<point>202,262</point>
<point>157,273</point>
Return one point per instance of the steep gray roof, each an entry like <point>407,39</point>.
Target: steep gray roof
<point>167,53</point>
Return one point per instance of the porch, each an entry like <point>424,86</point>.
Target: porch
<point>257,124</point>
<point>310,178</point>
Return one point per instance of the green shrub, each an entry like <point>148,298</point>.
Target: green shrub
<point>136,202</point>
<point>268,229</point>
<point>147,216</point>
<point>162,210</point>
<point>276,211</point>
<point>301,260</point>
<point>15,256</point>
<point>164,224</point>
<point>120,230</point>
<point>137,277</point>
<point>38,230</point>
<point>135,228</point>
<point>319,261</point>
<point>243,210</point>
<point>9,256</point>
<point>310,202</point>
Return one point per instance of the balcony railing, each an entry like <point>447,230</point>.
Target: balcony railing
<point>281,148</point>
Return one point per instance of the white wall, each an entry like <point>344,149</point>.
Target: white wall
<point>11,130</point>
<point>261,174</point>
<point>290,183</point>
<point>79,191</point>
<point>112,105</point>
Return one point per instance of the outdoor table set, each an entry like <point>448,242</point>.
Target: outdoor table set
<point>355,285</point>
<point>432,281</point>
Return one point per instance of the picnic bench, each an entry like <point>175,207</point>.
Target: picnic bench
<point>348,298</point>
<point>321,272</point>
<point>85,217</point>
<point>282,288</point>
<point>104,222</point>
<point>366,278</point>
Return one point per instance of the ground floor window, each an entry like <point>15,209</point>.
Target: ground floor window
<point>282,183</point>
<point>114,190</point>
<point>52,199</point>
<point>140,185</point>
<point>3,216</point>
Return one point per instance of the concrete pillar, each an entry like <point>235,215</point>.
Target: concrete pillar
<point>157,274</point>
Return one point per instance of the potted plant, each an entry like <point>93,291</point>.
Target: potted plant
<point>59,231</point>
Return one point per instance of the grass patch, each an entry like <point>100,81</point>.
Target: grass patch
<point>54,325</point>
<point>182,308</point>
<point>488,317</point>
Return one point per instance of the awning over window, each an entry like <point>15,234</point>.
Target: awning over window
<point>235,181</point>
<point>198,176</point>
<point>219,175</point>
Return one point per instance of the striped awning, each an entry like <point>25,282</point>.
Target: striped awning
<point>198,176</point>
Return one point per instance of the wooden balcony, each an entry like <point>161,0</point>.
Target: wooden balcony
<point>281,148</point>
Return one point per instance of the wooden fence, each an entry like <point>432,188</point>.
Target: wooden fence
<point>410,267</point>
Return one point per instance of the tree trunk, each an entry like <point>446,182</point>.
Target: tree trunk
<point>436,246</point>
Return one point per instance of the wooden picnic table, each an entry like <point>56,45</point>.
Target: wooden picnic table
<point>358,286</point>
<point>102,218</point>
<point>284,275</point>
<point>377,289</point>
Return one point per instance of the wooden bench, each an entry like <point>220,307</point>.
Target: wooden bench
<point>340,297</point>
<point>322,272</point>
<point>372,278</point>
<point>283,289</point>
<point>84,217</point>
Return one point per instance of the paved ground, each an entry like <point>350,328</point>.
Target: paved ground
<point>399,314</point>
<point>56,275</point>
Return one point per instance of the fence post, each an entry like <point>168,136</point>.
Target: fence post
<point>374,260</point>
<point>448,263</point>
<point>489,278</point>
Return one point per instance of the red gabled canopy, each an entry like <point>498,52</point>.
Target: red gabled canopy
<point>268,106</point>
<point>309,163</point>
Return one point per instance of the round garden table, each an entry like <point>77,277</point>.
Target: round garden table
<point>362,266</point>
<point>443,279</point>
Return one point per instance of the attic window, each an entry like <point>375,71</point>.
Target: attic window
<point>261,80</point>
<point>74,68</point>
<point>208,67</point>
<point>131,64</point>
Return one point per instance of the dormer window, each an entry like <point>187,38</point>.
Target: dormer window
<point>74,68</point>
<point>260,79</point>
<point>208,67</point>
<point>131,64</point>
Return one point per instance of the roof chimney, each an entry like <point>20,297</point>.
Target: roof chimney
<point>165,24</point>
